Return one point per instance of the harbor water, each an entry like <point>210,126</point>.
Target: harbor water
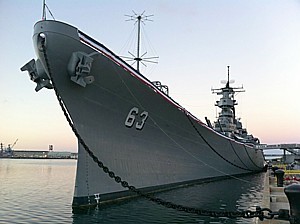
<point>41,191</point>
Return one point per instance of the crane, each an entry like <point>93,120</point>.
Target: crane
<point>10,147</point>
<point>14,144</point>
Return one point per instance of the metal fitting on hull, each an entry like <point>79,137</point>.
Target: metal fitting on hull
<point>79,68</point>
<point>37,74</point>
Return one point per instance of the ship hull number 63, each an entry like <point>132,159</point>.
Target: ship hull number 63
<point>134,117</point>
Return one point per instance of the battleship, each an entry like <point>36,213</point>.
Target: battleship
<point>131,124</point>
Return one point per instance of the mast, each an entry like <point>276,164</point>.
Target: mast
<point>228,66</point>
<point>44,10</point>
<point>139,18</point>
<point>138,59</point>
<point>226,122</point>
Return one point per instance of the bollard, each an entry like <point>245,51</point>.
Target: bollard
<point>293,194</point>
<point>279,176</point>
<point>274,168</point>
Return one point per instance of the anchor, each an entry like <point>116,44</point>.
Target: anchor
<point>79,68</point>
<point>37,74</point>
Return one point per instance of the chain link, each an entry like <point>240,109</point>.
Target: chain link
<point>202,212</point>
<point>214,150</point>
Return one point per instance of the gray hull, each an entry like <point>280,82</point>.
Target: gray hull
<point>141,134</point>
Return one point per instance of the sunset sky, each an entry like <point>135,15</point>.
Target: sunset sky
<point>195,41</point>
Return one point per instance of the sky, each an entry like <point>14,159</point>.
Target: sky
<point>195,42</point>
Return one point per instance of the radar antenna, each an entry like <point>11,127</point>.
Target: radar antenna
<point>139,18</point>
<point>228,66</point>
<point>227,82</point>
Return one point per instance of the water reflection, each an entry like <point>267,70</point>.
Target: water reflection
<point>225,195</point>
<point>41,191</point>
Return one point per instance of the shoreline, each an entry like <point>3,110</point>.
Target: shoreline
<point>35,158</point>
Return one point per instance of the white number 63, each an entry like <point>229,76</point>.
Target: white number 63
<point>131,117</point>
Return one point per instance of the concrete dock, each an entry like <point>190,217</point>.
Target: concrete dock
<point>273,198</point>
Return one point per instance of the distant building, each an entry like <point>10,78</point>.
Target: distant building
<point>62,155</point>
<point>29,154</point>
<point>43,154</point>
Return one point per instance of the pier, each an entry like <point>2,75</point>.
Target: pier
<point>290,153</point>
<point>275,198</point>
<point>280,146</point>
<point>291,148</point>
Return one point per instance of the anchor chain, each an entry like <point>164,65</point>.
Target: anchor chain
<point>259,212</point>
<point>213,149</point>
